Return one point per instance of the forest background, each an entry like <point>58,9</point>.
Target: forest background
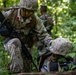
<point>63,13</point>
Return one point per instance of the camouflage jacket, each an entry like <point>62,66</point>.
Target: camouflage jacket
<point>30,30</point>
<point>48,22</point>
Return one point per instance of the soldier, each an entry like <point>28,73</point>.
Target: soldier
<point>59,48</point>
<point>28,25</point>
<point>46,18</point>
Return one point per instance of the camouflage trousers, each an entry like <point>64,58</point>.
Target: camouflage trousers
<point>19,63</point>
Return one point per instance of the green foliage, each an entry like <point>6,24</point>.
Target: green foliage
<point>74,46</point>
<point>71,55</point>
<point>9,3</point>
<point>63,13</point>
<point>4,59</point>
<point>34,55</point>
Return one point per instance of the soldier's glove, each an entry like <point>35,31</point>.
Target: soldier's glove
<point>4,31</point>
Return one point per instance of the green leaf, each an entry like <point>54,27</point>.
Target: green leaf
<point>71,55</point>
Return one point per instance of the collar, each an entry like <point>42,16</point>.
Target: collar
<point>18,15</point>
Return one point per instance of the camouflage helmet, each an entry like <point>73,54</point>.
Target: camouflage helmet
<point>29,4</point>
<point>61,46</point>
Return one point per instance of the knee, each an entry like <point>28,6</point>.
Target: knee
<point>15,42</point>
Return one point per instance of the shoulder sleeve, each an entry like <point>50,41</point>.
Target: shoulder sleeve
<point>7,13</point>
<point>42,34</point>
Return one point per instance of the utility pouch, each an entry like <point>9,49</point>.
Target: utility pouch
<point>53,66</point>
<point>63,65</point>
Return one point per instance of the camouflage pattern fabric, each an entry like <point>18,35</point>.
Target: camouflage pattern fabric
<point>33,26</point>
<point>61,46</point>
<point>14,49</point>
<point>29,4</point>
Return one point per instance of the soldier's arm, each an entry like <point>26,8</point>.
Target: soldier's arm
<point>7,13</point>
<point>42,32</point>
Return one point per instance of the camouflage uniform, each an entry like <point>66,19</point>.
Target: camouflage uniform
<point>46,18</point>
<point>60,46</point>
<point>27,29</point>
